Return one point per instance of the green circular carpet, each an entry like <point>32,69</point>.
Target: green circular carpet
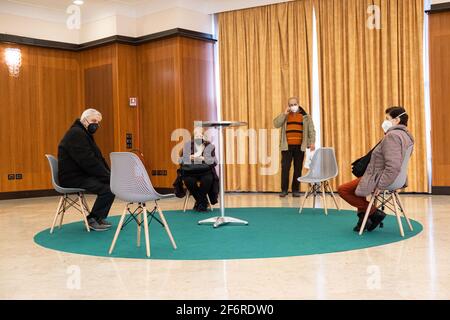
<point>272,232</point>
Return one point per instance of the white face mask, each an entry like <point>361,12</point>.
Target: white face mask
<point>387,124</point>
<point>294,108</point>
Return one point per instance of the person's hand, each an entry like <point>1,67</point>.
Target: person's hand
<point>376,192</point>
<point>288,109</point>
<point>312,147</point>
<point>192,157</point>
<point>201,158</point>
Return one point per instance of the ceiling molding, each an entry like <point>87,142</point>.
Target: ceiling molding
<point>176,32</point>
<point>439,7</point>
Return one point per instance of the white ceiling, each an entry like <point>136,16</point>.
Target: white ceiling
<point>55,10</point>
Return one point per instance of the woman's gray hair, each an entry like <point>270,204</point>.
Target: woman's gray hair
<point>89,113</point>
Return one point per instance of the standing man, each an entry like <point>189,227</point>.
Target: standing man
<point>81,165</point>
<point>297,134</point>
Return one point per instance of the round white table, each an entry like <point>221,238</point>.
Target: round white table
<point>222,219</point>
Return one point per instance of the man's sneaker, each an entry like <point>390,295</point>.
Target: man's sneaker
<point>296,194</point>
<point>283,194</point>
<point>377,219</point>
<point>105,222</point>
<point>94,225</point>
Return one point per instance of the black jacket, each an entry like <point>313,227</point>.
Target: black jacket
<point>180,190</point>
<point>79,157</point>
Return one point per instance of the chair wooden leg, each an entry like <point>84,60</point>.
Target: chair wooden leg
<point>56,214</point>
<point>147,236</point>
<point>80,201</point>
<point>322,186</point>
<point>302,204</point>
<point>139,218</point>
<point>403,210</point>
<point>332,195</point>
<point>86,206</point>
<point>166,226</point>
<point>399,219</point>
<point>209,202</point>
<point>366,216</point>
<point>119,227</point>
<point>186,200</point>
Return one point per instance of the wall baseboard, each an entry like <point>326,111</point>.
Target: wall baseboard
<point>27,194</point>
<point>440,190</point>
<point>50,193</point>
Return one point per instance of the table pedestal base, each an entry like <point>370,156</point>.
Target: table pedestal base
<point>218,221</point>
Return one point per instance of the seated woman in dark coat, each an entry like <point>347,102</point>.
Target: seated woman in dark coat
<point>198,161</point>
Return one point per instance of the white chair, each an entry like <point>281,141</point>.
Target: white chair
<point>323,168</point>
<point>70,197</point>
<point>186,199</point>
<point>130,182</point>
<point>390,199</point>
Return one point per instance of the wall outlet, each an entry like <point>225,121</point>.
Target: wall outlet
<point>11,176</point>
<point>159,172</point>
<point>18,176</point>
<point>129,141</point>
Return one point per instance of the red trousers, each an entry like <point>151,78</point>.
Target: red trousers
<point>347,192</point>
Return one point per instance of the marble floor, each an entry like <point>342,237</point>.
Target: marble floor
<point>417,268</point>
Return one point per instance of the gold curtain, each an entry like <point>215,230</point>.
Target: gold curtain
<point>363,71</point>
<point>265,57</point>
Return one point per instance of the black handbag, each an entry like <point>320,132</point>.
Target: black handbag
<point>194,169</point>
<point>359,166</point>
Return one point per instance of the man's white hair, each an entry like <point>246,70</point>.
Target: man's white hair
<point>89,113</point>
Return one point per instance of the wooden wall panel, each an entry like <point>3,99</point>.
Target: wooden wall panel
<point>36,109</point>
<point>172,78</point>
<point>197,81</point>
<point>160,101</point>
<point>98,74</point>
<point>176,87</point>
<point>439,55</point>
<point>127,87</point>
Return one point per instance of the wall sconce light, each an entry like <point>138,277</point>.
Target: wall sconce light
<point>13,59</point>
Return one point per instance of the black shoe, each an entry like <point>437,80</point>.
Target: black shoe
<point>105,222</point>
<point>377,219</point>
<point>360,221</point>
<point>94,225</point>
<point>283,194</point>
<point>296,194</point>
<point>202,207</point>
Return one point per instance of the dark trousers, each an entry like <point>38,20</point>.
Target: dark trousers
<point>293,154</point>
<point>199,190</point>
<point>105,197</point>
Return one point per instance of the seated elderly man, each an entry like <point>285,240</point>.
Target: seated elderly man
<point>81,165</point>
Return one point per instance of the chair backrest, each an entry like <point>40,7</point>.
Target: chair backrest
<point>53,162</point>
<point>129,179</point>
<point>323,164</point>
<point>400,181</point>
